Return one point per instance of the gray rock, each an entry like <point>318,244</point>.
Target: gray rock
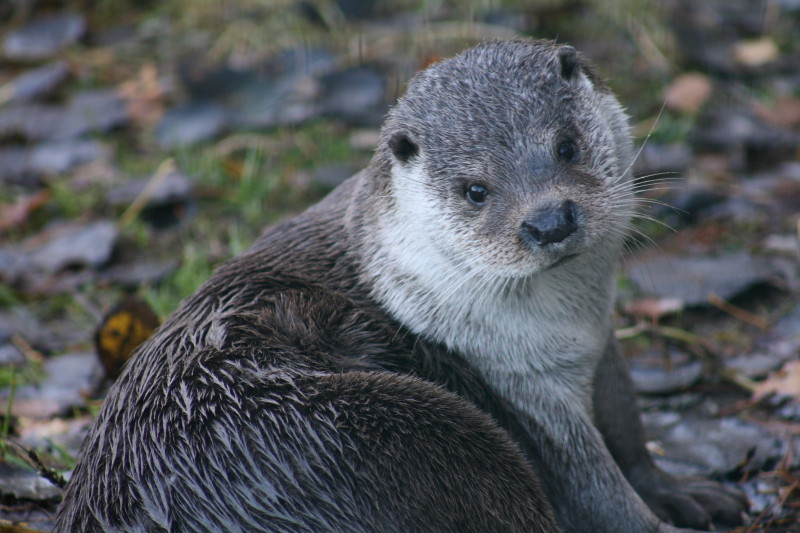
<point>655,158</point>
<point>35,83</point>
<point>702,447</point>
<point>25,484</point>
<point>175,187</point>
<point>95,111</point>
<point>333,174</point>
<point>15,168</point>
<point>739,131</point>
<point>51,336</point>
<point>89,111</point>
<point>781,344</point>
<point>11,356</point>
<point>26,166</point>
<point>684,205</point>
<point>76,245</point>
<point>288,100</point>
<point>356,95</point>
<point>66,376</point>
<point>44,37</point>
<point>60,157</point>
<point>190,124</point>
<point>131,275</point>
<point>693,279</point>
<point>660,380</point>
<point>33,122</point>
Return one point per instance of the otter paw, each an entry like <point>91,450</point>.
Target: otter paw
<point>693,502</point>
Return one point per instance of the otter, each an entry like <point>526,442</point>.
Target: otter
<point>429,348</point>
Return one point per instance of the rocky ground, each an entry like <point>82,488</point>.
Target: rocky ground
<point>140,146</point>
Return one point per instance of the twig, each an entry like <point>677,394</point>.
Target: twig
<point>30,353</point>
<point>9,406</point>
<point>737,312</point>
<point>166,168</point>
<point>739,379</point>
<point>32,458</point>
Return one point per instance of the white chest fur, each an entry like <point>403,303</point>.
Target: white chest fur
<point>545,330</point>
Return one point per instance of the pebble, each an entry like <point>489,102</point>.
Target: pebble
<point>661,380</point>
<point>44,36</point>
<point>693,279</point>
<point>191,124</point>
<point>173,188</point>
<point>34,84</point>
<point>356,96</point>
<point>714,447</point>
<point>71,244</point>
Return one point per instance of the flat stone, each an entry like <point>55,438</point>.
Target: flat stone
<point>33,122</point>
<point>51,336</point>
<point>15,168</point>
<point>693,279</point>
<point>34,84</point>
<point>25,484</point>
<point>660,380</point>
<point>131,275</point>
<point>89,111</point>
<point>26,166</point>
<point>333,174</point>
<point>703,447</point>
<point>62,156</point>
<point>781,344</point>
<point>356,95</point>
<point>44,36</point>
<point>683,205</point>
<point>67,376</point>
<point>11,356</point>
<point>175,187</point>
<point>96,111</point>
<point>285,101</point>
<point>76,245</point>
<point>655,158</point>
<point>738,130</point>
<point>191,124</point>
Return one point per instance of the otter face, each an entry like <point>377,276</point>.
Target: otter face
<point>511,159</point>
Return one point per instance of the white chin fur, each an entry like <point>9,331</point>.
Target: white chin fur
<point>526,320</point>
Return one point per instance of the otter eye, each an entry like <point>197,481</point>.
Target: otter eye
<point>566,151</point>
<point>477,194</point>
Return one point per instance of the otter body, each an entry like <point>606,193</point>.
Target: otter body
<point>427,349</point>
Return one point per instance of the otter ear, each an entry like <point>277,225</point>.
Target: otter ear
<point>403,148</point>
<point>570,62</point>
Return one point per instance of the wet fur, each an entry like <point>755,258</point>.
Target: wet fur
<point>396,359</point>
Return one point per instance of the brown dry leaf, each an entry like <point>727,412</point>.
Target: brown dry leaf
<point>122,330</point>
<point>784,382</point>
<point>785,112</point>
<point>145,94</point>
<point>755,52</point>
<point>688,92</point>
<point>16,214</point>
<point>654,308</point>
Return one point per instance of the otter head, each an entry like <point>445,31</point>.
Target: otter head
<point>509,159</point>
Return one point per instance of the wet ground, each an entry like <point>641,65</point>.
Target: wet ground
<point>137,150</point>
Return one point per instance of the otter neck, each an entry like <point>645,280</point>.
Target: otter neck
<point>506,328</point>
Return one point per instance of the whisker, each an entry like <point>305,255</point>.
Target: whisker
<point>647,138</point>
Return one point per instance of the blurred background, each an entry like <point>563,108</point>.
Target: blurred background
<point>143,142</point>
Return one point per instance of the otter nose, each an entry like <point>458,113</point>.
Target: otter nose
<point>552,224</point>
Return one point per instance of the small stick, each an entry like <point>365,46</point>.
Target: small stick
<point>737,312</point>
<point>32,459</point>
<point>164,169</point>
